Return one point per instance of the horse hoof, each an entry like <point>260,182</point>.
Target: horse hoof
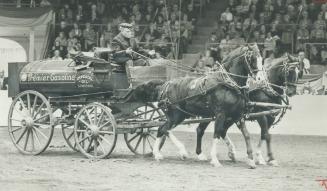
<point>183,155</point>
<point>273,163</point>
<point>251,164</point>
<point>216,163</point>
<point>259,160</point>
<point>158,156</point>
<point>202,157</point>
<point>231,155</point>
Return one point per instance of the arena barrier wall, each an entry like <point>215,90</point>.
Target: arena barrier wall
<point>307,117</point>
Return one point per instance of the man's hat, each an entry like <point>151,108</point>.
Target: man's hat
<point>126,25</point>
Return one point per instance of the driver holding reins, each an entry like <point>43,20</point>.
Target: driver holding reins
<point>125,48</point>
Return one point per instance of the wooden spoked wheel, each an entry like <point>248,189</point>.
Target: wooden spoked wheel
<point>30,122</point>
<point>141,142</point>
<point>68,134</point>
<point>95,131</point>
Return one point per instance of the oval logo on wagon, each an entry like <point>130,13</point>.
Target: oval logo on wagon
<point>85,80</point>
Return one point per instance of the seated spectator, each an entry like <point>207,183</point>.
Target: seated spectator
<point>287,34</point>
<point>191,14</point>
<point>45,3</point>
<point>147,19</point>
<point>304,64</point>
<point>80,12</point>
<point>56,55</point>
<point>305,20</point>
<point>188,26</point>
<point>302,37</point>
<point>62,39</point>
<point>250,22</point>
<point>212,46</point>
<point>200,66</point>
<point>63,28</point>
<point>323,55</point>
<point>226,16</point>
<point>77,32</point>
<point>101,7</point>
<point>208,60</point>
<point>320,22</point>
<point>108,35</point>
<point>224,47</point>
<point>268,13</point>
<point>89,36</point>
<point>312,11</point>
<point>318,33</point>
<point>270,44</point>
<point>236,41</point>
<point>232,5</point>
<point>148,41</point>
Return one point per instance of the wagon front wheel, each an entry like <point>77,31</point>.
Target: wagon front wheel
<point>30,122</point>
<point>95,131</point>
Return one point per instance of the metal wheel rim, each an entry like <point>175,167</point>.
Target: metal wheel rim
<point>68,134</point>
<point>95,136</point>
<point>141,142</point>
<point>30,121</point>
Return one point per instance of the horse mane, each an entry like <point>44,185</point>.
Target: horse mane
<point>228,60</point>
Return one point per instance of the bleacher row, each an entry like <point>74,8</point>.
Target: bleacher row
<point>297,25</point>
<point>82,25</point>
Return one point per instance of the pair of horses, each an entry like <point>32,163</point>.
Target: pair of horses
<point>221,95</point>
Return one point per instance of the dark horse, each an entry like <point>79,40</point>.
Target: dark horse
<point>281,77</point>
<point>218,95</point>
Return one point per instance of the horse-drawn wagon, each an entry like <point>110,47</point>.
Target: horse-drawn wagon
<point>85,92</point>
<point>91,100</point>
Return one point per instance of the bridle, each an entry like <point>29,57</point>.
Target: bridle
<point>247,56</point>
<point>286,69</point>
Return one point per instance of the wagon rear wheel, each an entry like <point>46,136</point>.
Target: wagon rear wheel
<point>95,131</point>
<point>30,122</point>
<point>141,142</point>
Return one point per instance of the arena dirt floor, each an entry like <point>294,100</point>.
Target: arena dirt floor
<point>302,160</point>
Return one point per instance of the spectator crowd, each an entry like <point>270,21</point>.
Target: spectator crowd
<point>159,25</point>
<point>288,24</point>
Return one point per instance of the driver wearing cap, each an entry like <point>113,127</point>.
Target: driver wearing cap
<point>123,46</point>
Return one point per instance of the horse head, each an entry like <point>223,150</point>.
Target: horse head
<point>284,73</point>
<point>244,61</point>
<point>291,73</point>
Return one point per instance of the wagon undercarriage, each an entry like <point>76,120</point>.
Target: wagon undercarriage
<point>92,127</point>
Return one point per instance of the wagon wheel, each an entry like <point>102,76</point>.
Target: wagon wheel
<point>141,142</point>
<point>95,131</point>
<point>30,122</point>
<point>68,134</point>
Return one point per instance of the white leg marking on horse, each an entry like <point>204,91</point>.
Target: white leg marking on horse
<point>214,161</point>
<point>251,163</point>
<point>273,163</point>
<point>202,157</point>
<point>231,148</point>
<point>156,153</point>
<point>182,151</point>
<point>258,155</point>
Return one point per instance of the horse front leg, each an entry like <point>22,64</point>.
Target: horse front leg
<point>199,134</point>
<point>182,150</point>
<point>259,159</point>
<point>218,131</point>
<point>265,135</point>
<point>156,147</point>
<point>249,150</point>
